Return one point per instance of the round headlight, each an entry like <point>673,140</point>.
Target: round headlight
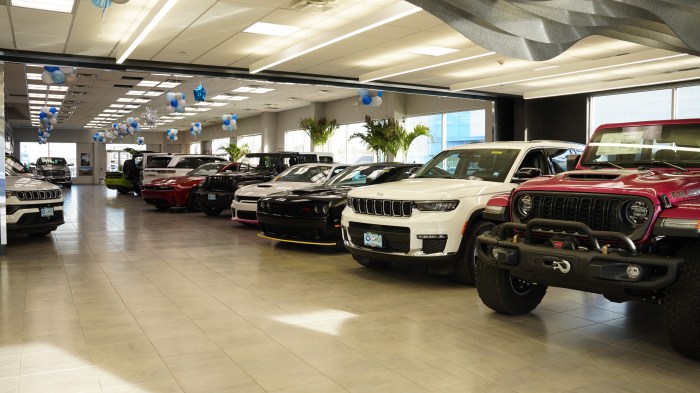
<point>525,206</point>
<point>637,213</point>
<point>317,209</point>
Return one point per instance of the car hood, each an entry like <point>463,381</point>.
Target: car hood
<point>21,183</point>
<point>677,186</point>
<point>315,194</point>
<point>176,180</point>
<point>263,189</point>
<point>430,189</point>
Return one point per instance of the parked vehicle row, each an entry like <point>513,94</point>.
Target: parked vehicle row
<point>619,216</point>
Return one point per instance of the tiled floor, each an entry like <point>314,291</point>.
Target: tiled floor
<point>124,298</point>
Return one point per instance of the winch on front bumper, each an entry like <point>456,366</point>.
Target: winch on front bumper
<point>556,258</point>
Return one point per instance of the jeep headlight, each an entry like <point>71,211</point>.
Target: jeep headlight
<point>10,194</point>
<point>436,206</point>
<point>524,206</point>
<point>637,213</point>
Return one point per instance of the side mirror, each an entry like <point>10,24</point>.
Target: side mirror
<point>524,174</point>
<point>571,161</point>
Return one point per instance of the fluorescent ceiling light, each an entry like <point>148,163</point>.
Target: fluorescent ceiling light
<point>33,77</point>
<point>116,106</point>
<point>148,83</point>
<point>169,85</point>
<point>238,98</point>
<point>545,68</point>
<point>433,50</point>
<point>252,89</point>
<point>203,104</point>
<point>202,109</point>
<point>131,106</point>
<point>218,104</point>
<point>425,64</point>
<point>135,93</point>
<point>388,15</point>
<point>140,101</point>
<point>125,99</point>
<point>271,29</point>
<point>147,30</point>
<point>189,114</point>
<point>178,117</point>
<point>65,6</point>
<point>153,93</point>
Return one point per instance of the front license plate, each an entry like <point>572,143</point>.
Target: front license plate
<point>373,239</point>
<point>46,211</point>
<point>211,197</point>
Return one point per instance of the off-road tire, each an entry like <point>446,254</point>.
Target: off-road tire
<point>212,211</point>
<point>67,185</point>
<point>464,266</point>
<point>192,204</point>
<point>504,293</point>
<point>372,264</point>
<point>163,208</point>
<point>682,302</point>
<point>39,234</point>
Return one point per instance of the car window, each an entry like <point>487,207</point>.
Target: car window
<point>535,159</point>
<point>360,175</point>
<point>188,162</point>
<point>305,174</point>
<point>558,158</point>
<point>16,165</point>
<point>207,169</point>
<point>158,162</point>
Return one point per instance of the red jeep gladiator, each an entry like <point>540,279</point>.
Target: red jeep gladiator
<point>624,224</point>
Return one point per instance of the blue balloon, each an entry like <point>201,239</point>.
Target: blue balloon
<point>172,136</point>
<point>234,117</point>
<point>183,96</point>
<point>58,76</point>
<point>197,124</point>
<point>50,68</point>
<point>42,115</point>
<point>380,93</point>
<point>366,100</point>
<point>134,124</point>
<point>227,122</point>
<point>173,103</point>
<point>53,110</point>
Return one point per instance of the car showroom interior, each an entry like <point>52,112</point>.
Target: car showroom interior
<point>299,196</point>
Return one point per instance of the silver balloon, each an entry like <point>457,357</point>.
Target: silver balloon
<point>150,117</point>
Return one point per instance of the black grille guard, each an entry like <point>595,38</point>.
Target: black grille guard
<point>581,229</point>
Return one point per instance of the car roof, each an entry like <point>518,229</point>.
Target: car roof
<point>519,145</point>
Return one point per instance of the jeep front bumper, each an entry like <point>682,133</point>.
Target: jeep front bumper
<point>597,269</point>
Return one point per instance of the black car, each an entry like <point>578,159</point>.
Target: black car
<point>216,193</point>
<point>312,215</point>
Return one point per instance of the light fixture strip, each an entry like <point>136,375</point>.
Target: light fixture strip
<point>147,30</point>
<point>394,12</point>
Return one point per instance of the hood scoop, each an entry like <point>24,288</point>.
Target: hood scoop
<point>592,176</point>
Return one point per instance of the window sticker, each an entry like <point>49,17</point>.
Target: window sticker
<point>620,143</point>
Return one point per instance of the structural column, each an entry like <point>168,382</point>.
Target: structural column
<point>3,202</point>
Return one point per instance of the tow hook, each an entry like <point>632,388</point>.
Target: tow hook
<point>563,266</point>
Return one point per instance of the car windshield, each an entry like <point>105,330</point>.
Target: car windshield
<point>260,162</point>
<point>476,163</point>
<point>17,167</point>
<point>207,169</point>
<point>631,147</point>
<point>51,161</point>
<point>305,174</point>
<point>360,175</point>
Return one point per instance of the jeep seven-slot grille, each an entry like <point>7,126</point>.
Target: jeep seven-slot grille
<point>599,212</point>
<point>382,207</point>
<point>220,183</point>
<point>38,195</point>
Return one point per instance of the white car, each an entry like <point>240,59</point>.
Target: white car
<point>433,218</point>
<point>34,207</point>
<point>170,165</point>
<point>244,204</point>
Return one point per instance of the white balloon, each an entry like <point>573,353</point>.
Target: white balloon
<point>224,127</point>
<point>53,121</point>
<point>170,109</point>
<point>235,127</point>
<point>376,101</point>
<point>70,79</point>
<point>175,138</point>
<point>170,96</point>
<point>120,1</point>
<point>46,78</point>
<point>45,109</point>
<point>178,96</point>
<point>233,123</point>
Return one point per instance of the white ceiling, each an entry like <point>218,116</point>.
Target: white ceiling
<point>210,33</point>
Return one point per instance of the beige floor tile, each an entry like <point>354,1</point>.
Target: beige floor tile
<point>130,372</point>
<point>68,381</point>
<point>167,386</point>
<point>9,385</point>
<point>122,352</point>
<point>45,362</point>
<point>173,346</point>
<point>9,366</point>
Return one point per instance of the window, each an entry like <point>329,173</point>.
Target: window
<point>218,144</point>
<point>688,102</point>
<point>447,129</point>
<point>297,140</point>
<point>29,152</point>
<point>628,107</point>
<point>254,142</point>
<point>351,151</point>
<point>196,148</point>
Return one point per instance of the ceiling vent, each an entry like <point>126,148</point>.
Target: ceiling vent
<point>132,78</point>
<point>313,5</point>
<point>83,75</point>
<point>124,86</point>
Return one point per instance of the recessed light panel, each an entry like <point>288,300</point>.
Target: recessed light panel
<point>65,6</point>
<point>433,50</point>
<point>271,29</point>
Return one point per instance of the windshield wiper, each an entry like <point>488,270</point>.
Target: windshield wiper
<point>680,168</point>
<point>602,163</point>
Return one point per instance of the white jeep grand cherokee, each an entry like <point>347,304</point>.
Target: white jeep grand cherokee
<point>433,218</point>
<point>34,207</point>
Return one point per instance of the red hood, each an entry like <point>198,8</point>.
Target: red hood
<point>178,180</point>
<point>678,186</point>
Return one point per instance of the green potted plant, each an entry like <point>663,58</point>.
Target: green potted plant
<point>406,138</point>
<point>319,130</point>
<point>378,136</point>
<point>235,152</point>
